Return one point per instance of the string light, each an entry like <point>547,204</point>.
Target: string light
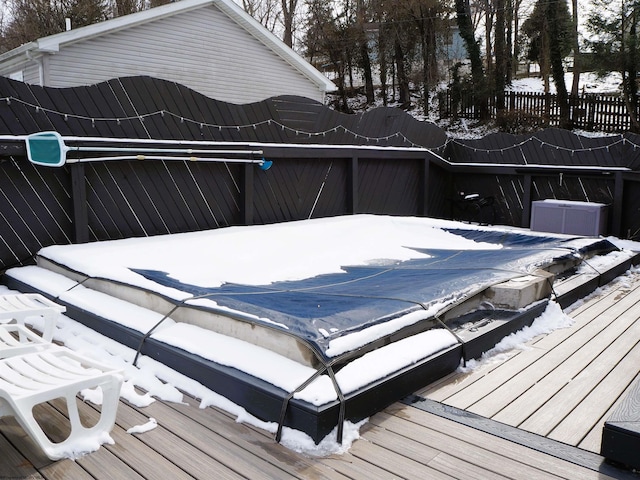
<point>621,141</point>
<point>339,128</point>
<point>238,128</point>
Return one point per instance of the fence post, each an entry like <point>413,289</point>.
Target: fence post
<point>547,108</point>
<point>80,210</point>
<point>352,186</point>
<point>591,112</point>
<point>618,196</point>
<point>526,201</point>
<point>425,166</point>
<point>246,195</point>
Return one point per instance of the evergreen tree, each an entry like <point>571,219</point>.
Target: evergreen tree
<point>327,41</point>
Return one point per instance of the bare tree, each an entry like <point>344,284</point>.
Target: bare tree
<point>576,49</point>
<point>500,48</point>
<point>550,32</point>
<point>126,7</point>
<point>267,12</point>
<point>32,19</point>
<point>429,17</point>
<point>362,19</point>
<point>467,32</point>
<point>288,19</point>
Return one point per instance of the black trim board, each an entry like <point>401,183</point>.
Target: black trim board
<point>260,398</point>
<point>621,431</point>
<point>485,338</point>
<point>568,298</point>
<point>536,442</point>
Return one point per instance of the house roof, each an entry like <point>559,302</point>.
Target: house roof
<point>54,43</point>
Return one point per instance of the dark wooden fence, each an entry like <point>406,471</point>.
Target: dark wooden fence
<point>317,170</point>
<point>112,200</point>
<point>591,112</point>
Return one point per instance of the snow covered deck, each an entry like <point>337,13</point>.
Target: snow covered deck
<point>404,440</point>
<point>557,383</point>
<point>384,305</point>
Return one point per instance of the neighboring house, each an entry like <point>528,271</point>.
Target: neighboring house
<point>211,46</point>
<point>450,50</point>
<point>451,47</point>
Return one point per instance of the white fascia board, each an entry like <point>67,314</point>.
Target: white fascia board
<point>52,43</point>
<point>17,56</point>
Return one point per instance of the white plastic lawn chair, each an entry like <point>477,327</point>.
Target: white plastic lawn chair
<point>35,378</point>
<point>18,340</point>
<point>15,337</point>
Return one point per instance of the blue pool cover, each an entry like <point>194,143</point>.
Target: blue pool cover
<point>325,307</point>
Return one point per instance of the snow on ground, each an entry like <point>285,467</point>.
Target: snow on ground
<point>159,381</point>
<point>590,82</point>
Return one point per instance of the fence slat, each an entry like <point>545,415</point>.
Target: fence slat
<point>596,112</point>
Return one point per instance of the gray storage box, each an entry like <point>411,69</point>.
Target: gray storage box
<point>573,218</point>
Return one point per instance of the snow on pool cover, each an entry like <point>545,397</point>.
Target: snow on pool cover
<point>405,270</point>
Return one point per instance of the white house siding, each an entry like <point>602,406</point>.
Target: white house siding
<point>31,73</point>
<point>202,49</point>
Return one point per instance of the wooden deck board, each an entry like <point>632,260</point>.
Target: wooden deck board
<point>506,388</point>
<point>447,387</point>
<point>566,382</point>
<point>604,376</point>
<point>474,456</point>
<point>579,373</point>
<point>505,383</point>
<point>14,464</point>
<point>477,439</point>
<point>259,448</point>
<point>403,441</point>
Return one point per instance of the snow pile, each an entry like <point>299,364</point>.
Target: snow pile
<point>146,427</point>
<point>551,319</point>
